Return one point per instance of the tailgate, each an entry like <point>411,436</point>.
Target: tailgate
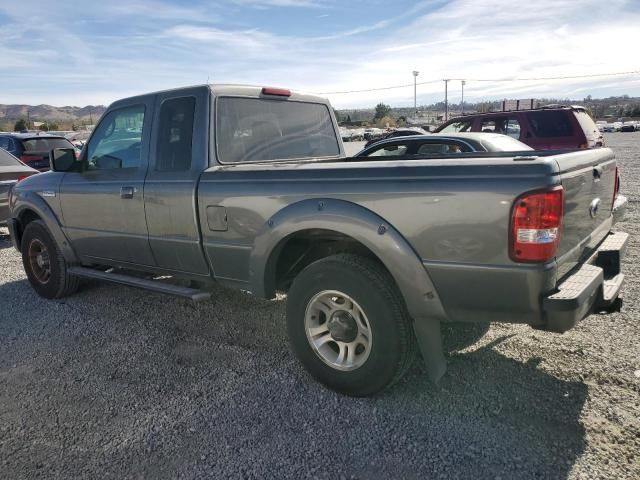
<point>588,178</point>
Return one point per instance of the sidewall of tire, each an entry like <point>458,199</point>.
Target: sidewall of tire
<point>55,287</point>
<point>381,309</point>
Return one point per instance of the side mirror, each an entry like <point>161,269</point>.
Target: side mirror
<point>62,159</point>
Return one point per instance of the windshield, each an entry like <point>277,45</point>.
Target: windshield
<point>455,127</point>
<point>45,144</point>
<point>254,129</point>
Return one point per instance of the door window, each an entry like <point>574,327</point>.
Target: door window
<point>550,124</point>
<point>504,126</point>
<point>389,151</point>
<point>175,135</point>
<point>117,141</point>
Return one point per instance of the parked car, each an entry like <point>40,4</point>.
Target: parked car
<point>555,128</point>
<point>398,132</point>
<point>33,148</point>
<point>12,171</point>
<point>453,144</point>
<point>372,255</point>
<point>628,127</point>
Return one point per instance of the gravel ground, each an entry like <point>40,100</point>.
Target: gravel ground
<point>119,383</point>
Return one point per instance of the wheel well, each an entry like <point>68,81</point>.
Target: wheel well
<point>300,249</point>
<point>24,219</point>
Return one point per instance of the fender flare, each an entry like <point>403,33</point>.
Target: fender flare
<point>362,225</point>
<point>31,201</point>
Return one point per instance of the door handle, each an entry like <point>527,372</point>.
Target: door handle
<point>127,192</point>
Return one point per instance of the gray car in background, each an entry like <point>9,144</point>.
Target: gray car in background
<point>434,145</point>
<point>250,187</point>
<point>12,171</point>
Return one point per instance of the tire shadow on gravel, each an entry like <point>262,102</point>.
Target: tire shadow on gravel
<point>514,407</point>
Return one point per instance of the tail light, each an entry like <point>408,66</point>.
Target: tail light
<point>536,222</point>
<point>616,187</point>
<point>30,158</point>
<point>21,177</point>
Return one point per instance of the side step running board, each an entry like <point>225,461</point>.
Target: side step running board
<point>154,285</point>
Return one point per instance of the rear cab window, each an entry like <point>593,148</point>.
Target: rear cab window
<point>257,129</point>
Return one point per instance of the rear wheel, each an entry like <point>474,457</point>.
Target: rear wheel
<point>348,325</point>
<point>43,263</point>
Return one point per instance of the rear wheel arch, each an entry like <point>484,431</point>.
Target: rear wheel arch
<point>298,250</point>
<point>364,229</point>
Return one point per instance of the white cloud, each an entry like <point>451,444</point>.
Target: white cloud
<point>150,45</point>
<point>281,3</point>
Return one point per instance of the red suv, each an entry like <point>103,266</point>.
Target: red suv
<point>547,128</point>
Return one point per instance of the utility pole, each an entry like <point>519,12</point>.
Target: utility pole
<point>415,100</point>
<point>446,99</point>
<point>462,101</point>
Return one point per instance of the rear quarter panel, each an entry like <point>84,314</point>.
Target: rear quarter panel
<point>454,214</point>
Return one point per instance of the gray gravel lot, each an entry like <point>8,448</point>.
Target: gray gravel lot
<point>119,383</point>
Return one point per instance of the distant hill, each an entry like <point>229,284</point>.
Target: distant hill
<point>12,113</point>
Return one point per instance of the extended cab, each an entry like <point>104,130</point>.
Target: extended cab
<point>250,187</point>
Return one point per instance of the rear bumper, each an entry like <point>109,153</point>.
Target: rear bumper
<point>619,208</point>
<point>594,284</point>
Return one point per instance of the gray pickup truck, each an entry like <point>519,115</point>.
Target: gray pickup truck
<point>250,187</point>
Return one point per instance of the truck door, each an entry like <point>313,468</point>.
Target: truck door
<point>179,154</point>
<point>103,206</point>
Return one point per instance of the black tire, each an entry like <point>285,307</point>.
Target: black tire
<point>58,283</point>
<point>393,344</point>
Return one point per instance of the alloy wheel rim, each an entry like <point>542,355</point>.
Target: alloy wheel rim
<point>338,330</point>
<point>39,261</point>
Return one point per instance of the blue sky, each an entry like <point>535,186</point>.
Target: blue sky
<point>79,52</point>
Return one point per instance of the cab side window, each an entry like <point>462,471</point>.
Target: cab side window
<point>117,141</point>
<point>175,136</point>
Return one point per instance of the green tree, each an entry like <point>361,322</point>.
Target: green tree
<point>20,125</point>
<point>382,111</point>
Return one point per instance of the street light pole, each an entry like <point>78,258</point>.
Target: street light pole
<point>446,99</point>
<point>415,101</point>
<point>462,101</point>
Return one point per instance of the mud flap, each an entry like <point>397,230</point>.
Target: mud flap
<point>430,342</point>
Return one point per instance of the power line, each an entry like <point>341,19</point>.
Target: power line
<point>497,80</point>
<point>380,88</point>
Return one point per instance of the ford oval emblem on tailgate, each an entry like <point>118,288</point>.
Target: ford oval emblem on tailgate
<point>593,208</point>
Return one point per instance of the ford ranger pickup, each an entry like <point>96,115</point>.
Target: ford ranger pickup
<point>250,187</point>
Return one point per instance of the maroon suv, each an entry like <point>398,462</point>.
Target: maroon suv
<point>547,128</point>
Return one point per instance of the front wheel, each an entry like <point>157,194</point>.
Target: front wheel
<point>43,263</point>
<point>349,326</point>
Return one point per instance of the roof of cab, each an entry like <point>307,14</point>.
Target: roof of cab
<point>236,90</point>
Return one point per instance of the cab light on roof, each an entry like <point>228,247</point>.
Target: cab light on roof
<point>280,92</point>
